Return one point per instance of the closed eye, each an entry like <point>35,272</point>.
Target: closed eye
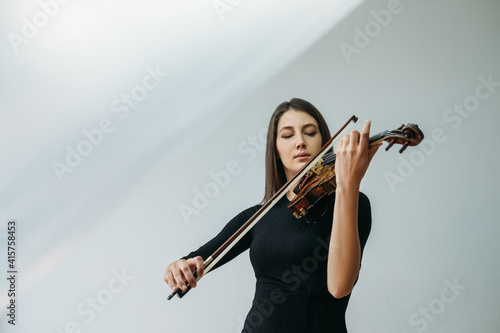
<point>290,135</point>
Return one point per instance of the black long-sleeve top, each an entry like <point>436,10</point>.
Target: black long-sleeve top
<point>289,257</point>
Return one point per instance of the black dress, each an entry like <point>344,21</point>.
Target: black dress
<point>289,257</point>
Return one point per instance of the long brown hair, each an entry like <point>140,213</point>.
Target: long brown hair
<point>275,172</point>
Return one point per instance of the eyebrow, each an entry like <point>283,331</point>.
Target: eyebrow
<point>291,127</point>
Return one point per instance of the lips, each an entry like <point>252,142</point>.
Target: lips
<point>302,155</point>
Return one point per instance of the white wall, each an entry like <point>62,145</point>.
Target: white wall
<point>118,211</point>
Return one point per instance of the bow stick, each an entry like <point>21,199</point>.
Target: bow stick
<point>235,238</point>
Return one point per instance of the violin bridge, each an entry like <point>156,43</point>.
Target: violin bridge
<point>318,166</point>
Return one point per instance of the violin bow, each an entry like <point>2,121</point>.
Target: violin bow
<point>211,261</point>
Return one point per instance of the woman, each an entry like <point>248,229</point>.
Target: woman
<point>305,272</point>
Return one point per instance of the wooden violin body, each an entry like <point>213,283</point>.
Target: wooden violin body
<point>317,186</point>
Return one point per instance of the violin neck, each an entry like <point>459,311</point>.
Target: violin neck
<point>378,138</point>
<point>330,156</point>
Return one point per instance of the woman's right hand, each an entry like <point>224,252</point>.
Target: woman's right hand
<point>181,271</point>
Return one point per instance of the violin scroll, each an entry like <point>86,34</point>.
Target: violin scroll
<point>406,135</point>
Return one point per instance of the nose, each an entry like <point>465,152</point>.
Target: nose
<point>301,143</point>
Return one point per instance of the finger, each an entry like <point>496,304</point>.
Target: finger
<point>188,274</point>
<point>169,279</point>
<point>200,266</point>
<point>365,134</point>
<point>340,145</point>
<point>165,275</point>
<point>346,141</point>
<point>179,279</point>
<point>354,138</point>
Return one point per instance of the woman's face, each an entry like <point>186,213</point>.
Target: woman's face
<point>297,140</point>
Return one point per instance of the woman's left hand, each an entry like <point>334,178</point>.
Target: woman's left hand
<point>353,157</point>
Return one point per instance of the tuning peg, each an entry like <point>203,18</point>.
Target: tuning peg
<point>391,143</point>
<point>403,148</point>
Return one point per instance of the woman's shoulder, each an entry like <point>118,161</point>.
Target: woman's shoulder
<point>242,217</point>
<point>363,198</point>
<point>251,210</point>
<point>248,212</point>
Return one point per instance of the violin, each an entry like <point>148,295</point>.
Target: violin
<point>317,186</point>
<point>314,186</point>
